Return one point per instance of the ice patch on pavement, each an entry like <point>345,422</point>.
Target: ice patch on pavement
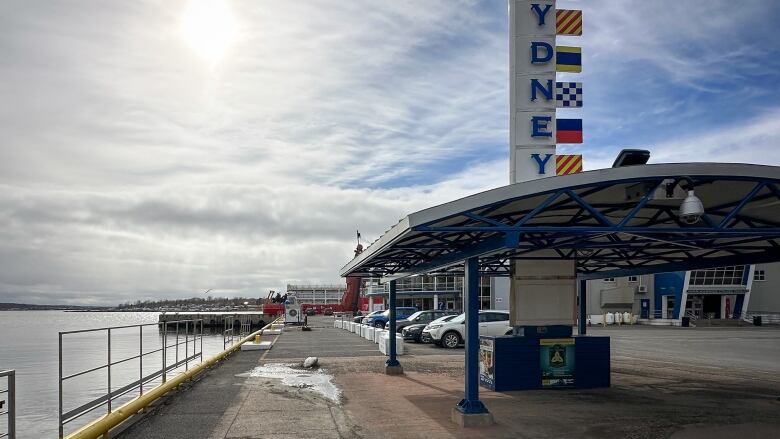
<point>292,375</point>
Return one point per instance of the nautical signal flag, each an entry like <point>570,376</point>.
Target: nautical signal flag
<point>568,164</point>
<point>568,94</point>
<point>568,59</point>
<point>568,131</point>
<point>568,22</point>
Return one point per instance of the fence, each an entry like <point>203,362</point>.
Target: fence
<point>229,334</point>
<point>192,334</point>
<point>8,406</point>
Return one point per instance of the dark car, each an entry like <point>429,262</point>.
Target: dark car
<point>311,311</point>
<point>413,332</point>
<point>327,312</point>
<point>418,317</point>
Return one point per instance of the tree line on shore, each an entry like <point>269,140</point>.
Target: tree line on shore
<point>201,302</point>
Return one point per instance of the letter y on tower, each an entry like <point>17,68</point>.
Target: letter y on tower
<point>534,92</point>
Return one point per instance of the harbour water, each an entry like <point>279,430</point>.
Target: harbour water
<point>29,344</point>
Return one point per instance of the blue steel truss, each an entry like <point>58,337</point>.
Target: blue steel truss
<point>611,228</point>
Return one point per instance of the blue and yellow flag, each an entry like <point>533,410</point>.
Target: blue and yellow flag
<point>568,59</point>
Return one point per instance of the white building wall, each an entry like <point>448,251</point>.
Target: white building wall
<point>765,294</point>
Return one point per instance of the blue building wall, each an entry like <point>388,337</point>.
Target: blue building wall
<point>668,284</point>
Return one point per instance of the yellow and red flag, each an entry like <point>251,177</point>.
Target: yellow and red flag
<point>568,22</point>
<point>568,164</point>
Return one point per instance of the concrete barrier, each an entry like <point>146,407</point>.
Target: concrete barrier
<point>384,344</point>
<point>378,334</point>
<point>369,334</point>
<point>337,324</point>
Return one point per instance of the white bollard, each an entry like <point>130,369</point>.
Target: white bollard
<point>384,345</point>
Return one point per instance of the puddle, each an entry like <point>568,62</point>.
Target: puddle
<point>315,380</point>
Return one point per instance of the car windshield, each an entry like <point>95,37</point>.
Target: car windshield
<point>373,313</point>
<point>443,319</point>
<point>459,319</point>
<point>414,316</point>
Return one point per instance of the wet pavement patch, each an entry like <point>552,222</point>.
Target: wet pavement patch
<point>315,380</point>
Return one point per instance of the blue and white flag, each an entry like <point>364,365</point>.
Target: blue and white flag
<point>568,94</point>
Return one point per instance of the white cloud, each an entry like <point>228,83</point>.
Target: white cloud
<point>132,167</point>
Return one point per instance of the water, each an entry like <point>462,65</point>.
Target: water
<point>29,344</point>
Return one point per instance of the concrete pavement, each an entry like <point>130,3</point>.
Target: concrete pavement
<point>667,383</point>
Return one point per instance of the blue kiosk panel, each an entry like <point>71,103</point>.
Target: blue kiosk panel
<point>526,363</point>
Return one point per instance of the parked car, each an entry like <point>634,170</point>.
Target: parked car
<point>379,320</point>
<point>364,318</point>
<point>453,333</point>
<point>418,317</point>
<point>425,337</point>
<point>327,312</point>
<point>311,311</point>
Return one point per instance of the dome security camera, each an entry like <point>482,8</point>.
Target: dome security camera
<point>691,209</point>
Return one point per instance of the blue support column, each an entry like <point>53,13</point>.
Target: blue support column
<point>583,320</point>
<point>392,361</point>
<point>471,403</point>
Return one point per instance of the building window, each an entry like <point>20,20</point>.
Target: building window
<point>760,276</point>
<point>718,276</point>
<point>633,279</point>
<point>609,279</point>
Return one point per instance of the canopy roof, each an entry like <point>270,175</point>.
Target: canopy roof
<point>614,222</point>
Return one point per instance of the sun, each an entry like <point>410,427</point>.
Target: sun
<point>208,27</point>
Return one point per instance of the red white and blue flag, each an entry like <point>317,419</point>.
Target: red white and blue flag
<point>568,131</point>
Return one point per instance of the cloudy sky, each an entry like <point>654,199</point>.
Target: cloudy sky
<point>155,149</point>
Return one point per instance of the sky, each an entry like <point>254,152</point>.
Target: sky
<point>154,149</point>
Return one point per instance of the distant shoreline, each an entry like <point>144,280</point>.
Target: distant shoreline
<point>32,307</point>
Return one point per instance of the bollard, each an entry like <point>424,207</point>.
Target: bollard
<point>257,339</point>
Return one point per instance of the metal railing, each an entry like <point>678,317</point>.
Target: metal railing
<point>229,331</point>
<point>767,318</point>
<point>192,332</point>
<point>8,406</point>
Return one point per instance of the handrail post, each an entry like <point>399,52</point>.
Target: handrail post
<point>59,417</point>
<point>186,346</point>
<point>164,352</point>
<point>12,405</point>
<point>177,343</point>
<point>140,359</point>
<point>109,370</point>
<point>201,340</point>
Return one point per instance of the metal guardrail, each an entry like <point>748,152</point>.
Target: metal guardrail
<point>229,334</point>
<point>192,332</point>
<point>8,406</point>
<point>767,318</point>
<point>101,427</point>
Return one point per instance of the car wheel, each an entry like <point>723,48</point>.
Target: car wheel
<point>379,325</point>
<point>450,340</point>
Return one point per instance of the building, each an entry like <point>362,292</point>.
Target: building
<point>718,293</point>
<point>764,297</point>
<point>317,294</point>
<point>442,292</point>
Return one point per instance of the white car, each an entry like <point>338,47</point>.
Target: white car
<point>453,333</point>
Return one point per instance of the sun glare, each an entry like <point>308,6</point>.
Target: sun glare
<point>208,28</point>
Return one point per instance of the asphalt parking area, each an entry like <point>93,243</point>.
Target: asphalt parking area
<point>326,341</point>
